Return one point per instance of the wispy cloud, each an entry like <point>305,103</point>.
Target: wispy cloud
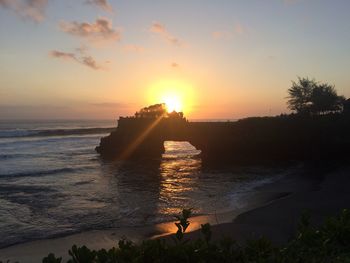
<point>63,55</point>
<point>133,48</point>
<point>90,62</point>
<point>5,3</point>
<point>63,110</point>
<point>160,29</point>
<point>29,9</point>
<point>224,34</point>
<point>34,111</point>
<point>103,4</point>
<point>110,105</point>
<point>175,65</point>
<point>83,59</point>
<point>238,29</point>
<point>100,31</point>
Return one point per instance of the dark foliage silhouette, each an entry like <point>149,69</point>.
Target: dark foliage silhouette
<point>325,100</point>
<point>310,97</point>
<point>329,242</point>
<point>346,106</point>
<point>299,95</point>
<point>153,111</point>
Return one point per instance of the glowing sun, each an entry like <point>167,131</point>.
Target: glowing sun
<point>177,95</point>
<point>172,103</point>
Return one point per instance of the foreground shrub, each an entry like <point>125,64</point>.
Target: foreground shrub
<point>327,243</point>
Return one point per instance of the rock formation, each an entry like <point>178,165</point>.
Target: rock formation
<point>271,139</point>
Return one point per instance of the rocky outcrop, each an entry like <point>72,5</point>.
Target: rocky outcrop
<point>268,139</point>
<point>142,137</point>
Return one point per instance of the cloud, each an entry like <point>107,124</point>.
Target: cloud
<point>29,9</point>
<point>221,34</point>
<point>83,59</point>
<point>133,48</point>
<point>110,105</point>
<point>103,4</point>
<point>34,111</point>
<point>160,29</point>
<point>238,29</point>
<point>65,110</point>
<point>5,3</point>
<point>63,55</point>
<point>90,62</point>
<point>82,49</point>
<point>99,31</point>
<point>175,65</point>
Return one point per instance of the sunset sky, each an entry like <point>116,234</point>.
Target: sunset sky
<point>225,59</point>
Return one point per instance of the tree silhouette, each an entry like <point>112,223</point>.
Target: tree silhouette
<point>308,97</point>
<point>299,98</point>
<point>158,110</point>
<point>153,111</point>
<point>325,99</point>
<point>346,106</point>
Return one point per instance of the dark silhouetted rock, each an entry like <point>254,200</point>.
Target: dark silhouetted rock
<point>261,139</point>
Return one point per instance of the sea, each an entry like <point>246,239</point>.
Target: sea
<point>53,183</point>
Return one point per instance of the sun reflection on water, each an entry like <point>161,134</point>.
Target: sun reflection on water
<point>179,170</point>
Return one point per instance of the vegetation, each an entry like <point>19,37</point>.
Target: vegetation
<point>346,106</point>
<point>153,111</point>
<point>327,243</point>
<point>157,110</point>
<point>312,98</point>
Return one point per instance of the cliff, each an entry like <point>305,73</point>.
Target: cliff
<point>282,138</point>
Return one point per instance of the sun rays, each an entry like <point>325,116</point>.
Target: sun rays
<point>176,94</point>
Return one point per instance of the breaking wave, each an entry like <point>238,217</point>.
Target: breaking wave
<point>50,132</point>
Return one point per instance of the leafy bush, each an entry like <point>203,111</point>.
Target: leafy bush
<point>328,243</point>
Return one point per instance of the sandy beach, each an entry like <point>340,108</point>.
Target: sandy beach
<point>278,220</point>
<point>273,212</point>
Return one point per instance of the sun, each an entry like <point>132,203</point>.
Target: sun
<point>172,103</point>
<point>176,94</point>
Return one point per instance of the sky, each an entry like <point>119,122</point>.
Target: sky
<point>224,59</point>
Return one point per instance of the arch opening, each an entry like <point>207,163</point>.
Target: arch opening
<point>179,149</point>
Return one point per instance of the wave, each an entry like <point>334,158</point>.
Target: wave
<point>38,173</point>
<point>56,132</point>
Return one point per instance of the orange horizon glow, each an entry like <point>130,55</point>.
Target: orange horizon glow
<point>176,94</point>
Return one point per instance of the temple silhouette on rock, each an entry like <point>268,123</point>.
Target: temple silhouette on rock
<point>143,134</point>
<point>258,139</point>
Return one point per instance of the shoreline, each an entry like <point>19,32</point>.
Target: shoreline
<point>278,220</point>
<point>265,195</point>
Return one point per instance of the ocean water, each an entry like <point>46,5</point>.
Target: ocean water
<point>53,183</point>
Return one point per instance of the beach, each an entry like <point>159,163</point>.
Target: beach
<point>273,212</point>
<point>278,220</point>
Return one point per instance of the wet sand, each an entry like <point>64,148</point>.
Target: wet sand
<point>278,219</point>
<point>273,212</point>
